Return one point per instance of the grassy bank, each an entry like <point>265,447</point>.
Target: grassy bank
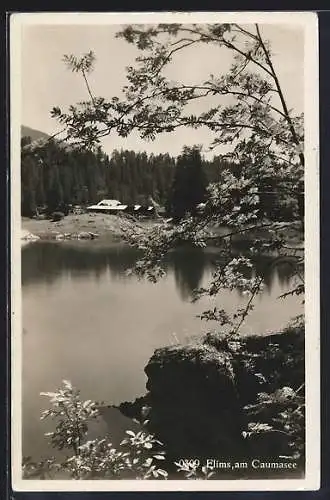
<point>112,227</point>
<point>100,225</point>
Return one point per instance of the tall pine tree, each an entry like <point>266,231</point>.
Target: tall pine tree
<point>189,184</point>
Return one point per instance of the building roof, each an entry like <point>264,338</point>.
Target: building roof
<point>114,205</point>
<point>109,202</point>
<point>108,208</point>
<point>108,205</point>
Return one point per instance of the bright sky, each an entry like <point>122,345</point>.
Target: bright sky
<point>46,82</point>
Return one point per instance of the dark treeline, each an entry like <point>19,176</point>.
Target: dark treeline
<point>53,177</point>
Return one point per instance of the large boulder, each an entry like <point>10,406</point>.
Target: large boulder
<point>198,394</point>
<point>193,402</point>
<point>265,363</point>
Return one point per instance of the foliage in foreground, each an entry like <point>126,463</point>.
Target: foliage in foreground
<point>275,415</point>
<point>246,113</point>
<point>137,457</point>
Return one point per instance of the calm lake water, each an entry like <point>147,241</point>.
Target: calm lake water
<point>85,320</point>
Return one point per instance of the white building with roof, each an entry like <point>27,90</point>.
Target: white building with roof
<point>107,206</point>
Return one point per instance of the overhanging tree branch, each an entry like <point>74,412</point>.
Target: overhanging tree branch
<point>281,96</point>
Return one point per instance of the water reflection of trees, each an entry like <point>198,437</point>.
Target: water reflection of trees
<point>49,261</point>
<point>189,267</point>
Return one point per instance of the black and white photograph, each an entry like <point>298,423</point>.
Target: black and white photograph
<point>164,251</point>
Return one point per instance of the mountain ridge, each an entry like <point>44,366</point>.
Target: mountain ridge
<point>33,133</point>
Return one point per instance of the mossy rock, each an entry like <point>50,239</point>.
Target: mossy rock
<point>197,392</point>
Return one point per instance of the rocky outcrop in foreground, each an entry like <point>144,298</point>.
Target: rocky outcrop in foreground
<point>197,394</point>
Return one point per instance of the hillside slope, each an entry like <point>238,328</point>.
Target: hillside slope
<point>33,133</point>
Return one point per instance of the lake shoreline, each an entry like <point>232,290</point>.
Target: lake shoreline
<point>82,226</point>
<point>89,226</point>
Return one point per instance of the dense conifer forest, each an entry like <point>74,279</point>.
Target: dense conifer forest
<point>55,177</point>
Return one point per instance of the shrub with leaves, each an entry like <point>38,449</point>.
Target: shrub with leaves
<point>273,409</point>
<point>281,413</point>
<point>138,455</point>
<point>192,470</point>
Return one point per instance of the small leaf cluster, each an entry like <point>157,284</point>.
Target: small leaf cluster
<point>137,457</point>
